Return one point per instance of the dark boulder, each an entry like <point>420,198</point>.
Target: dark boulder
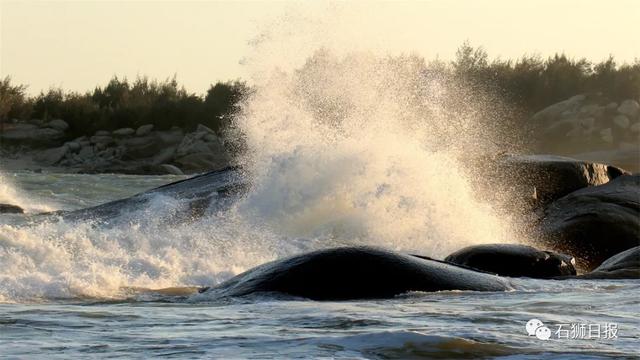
<point>514,260</point>
<point>594,223</point>
<point>625,265</point>
<point>10,209</point>
<point>547,177</point>
<point>356,273</point>
<point>197,194</point>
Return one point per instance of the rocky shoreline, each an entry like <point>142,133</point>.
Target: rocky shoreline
<point>587,127</point>
<point>38,145</point>
<point>584,225</point>
<point>589,211</point>
<point>590,127</point>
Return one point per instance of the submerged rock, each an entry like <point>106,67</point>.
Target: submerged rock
<point>595,223</point>
<point>514,260</point>
<point>10,209</point>
<point>356,273</point>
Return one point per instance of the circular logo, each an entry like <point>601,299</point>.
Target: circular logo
<point>532,325</point>
<point>543,333</point>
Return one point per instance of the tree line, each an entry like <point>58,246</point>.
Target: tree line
<point>123,103</point>
<point>529,83</point>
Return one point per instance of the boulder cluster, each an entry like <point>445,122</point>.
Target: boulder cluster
<point>588,210</point>
<point>35,133</point>
<point>135,151</point>
<point>592,128</point>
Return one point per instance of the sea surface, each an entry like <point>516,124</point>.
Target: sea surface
<point>60,297</point>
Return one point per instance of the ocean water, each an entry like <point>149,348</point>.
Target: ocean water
<point>46,310</point>
<point>341,146</point>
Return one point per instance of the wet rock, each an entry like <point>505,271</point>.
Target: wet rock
<point>625,265</point>
<point>549,177</point>
<point>10,209</point>
<point>350,273</point>
<point>626,156</point>
<point>594,223</point>
<point>514,260</point>
<point>102,133</point>
<point>197,194</point>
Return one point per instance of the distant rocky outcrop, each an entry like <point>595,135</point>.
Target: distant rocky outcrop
<point>590,127</point>
<point>132,151</point>
<point>34,133</point>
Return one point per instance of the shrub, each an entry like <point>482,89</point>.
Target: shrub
<point>530,83</point>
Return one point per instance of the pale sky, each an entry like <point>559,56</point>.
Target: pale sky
<point>80,44</point>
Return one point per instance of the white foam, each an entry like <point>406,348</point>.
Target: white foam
<point>9,194</point>
<point>347,149</point>
<point>362,149</point>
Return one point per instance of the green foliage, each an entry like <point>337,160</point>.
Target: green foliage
<point>530,83</point>
<point>220,102</point>
<point>13,103</point>
<point>122,103</point>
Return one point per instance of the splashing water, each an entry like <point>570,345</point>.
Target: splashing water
<point>364,149</point>
<point>9,194</point>
<point>344,149</point>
